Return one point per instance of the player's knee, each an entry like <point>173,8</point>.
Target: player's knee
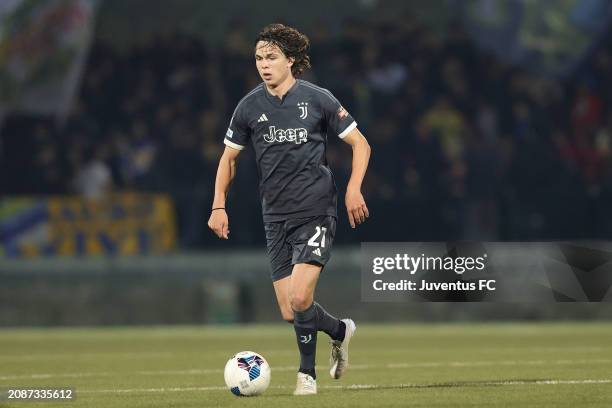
<point>287,315</point>
<point>300,301</point>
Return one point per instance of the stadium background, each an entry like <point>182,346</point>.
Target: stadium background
<point>489,120</point>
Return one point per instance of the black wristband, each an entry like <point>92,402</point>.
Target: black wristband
<point>218,208</point>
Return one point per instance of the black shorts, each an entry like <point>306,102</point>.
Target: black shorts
<point>300,240</point>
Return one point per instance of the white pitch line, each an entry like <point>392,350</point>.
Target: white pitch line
<point>495,363</point>
<point>56,356</point>
<point>163,354</point>
<point>47,376</point>
<point>432,364</point>
<point>361,386</point>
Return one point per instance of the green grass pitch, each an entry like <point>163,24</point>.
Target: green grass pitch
<point>402,365</point>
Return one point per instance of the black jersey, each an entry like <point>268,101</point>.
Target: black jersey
<point>289,137</point>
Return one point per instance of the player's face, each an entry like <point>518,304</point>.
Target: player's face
<point>273,66</point>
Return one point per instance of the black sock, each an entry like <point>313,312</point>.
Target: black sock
<point>341,331</point>
<point>310,371</point>
<point>334,327</point>
<point>306,336</point>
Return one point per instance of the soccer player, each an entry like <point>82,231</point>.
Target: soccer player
<point>287,121</point>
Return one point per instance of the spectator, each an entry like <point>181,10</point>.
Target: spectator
<point>93,179</point>
<point>463,145</point>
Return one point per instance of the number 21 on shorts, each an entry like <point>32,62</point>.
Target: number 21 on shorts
<point>313,240</point>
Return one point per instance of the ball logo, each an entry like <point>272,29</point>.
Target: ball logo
<point>297,136</point>
<point>252,365</point>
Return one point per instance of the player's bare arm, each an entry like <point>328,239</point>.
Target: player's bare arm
<point>218,221</point>
<point>355,203</point>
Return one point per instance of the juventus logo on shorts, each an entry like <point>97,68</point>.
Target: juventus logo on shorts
<point>303,106</point>
<point>305,339</point>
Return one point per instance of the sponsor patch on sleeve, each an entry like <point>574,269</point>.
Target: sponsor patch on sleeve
<point>342,113</point>
<point>229,132</point>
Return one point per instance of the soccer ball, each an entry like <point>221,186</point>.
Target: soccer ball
<point>247,374</point>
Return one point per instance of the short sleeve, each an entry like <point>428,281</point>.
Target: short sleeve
<point>339,121</point>
<point>238,132</point>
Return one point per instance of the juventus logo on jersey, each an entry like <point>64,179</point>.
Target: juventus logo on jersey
<point>303,107</point>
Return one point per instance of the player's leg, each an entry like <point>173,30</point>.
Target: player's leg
<point>310,317</point>
<point>280,255</point>
<point>325,322</point>
<point>312,241</point>
<point>301,291</point>
<point>281,288</point>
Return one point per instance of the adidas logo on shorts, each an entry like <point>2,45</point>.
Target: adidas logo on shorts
<point>317,251</point>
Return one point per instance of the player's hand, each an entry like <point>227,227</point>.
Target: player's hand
<point>355,207</point>
<point>219,223</point>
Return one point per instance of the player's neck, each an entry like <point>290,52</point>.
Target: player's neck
<point>281,89</point>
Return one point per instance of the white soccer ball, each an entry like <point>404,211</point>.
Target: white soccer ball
<point>247,374</point>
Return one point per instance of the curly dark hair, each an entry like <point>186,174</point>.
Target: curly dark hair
<point>291,42</point>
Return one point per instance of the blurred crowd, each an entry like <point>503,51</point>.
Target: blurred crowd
<point>464,146</point>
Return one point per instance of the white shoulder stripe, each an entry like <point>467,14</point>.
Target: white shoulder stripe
<point>347,130</point>
<point>321,90</point>
<point>233,145</point>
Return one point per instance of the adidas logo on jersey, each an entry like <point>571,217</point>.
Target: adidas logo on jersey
<point>297,136</point>
<point>317,251</point>
<point>262,118</point>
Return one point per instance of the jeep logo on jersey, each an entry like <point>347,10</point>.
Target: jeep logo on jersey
<point>297,136</point>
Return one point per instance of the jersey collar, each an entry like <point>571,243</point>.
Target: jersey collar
<point>275,100</point>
